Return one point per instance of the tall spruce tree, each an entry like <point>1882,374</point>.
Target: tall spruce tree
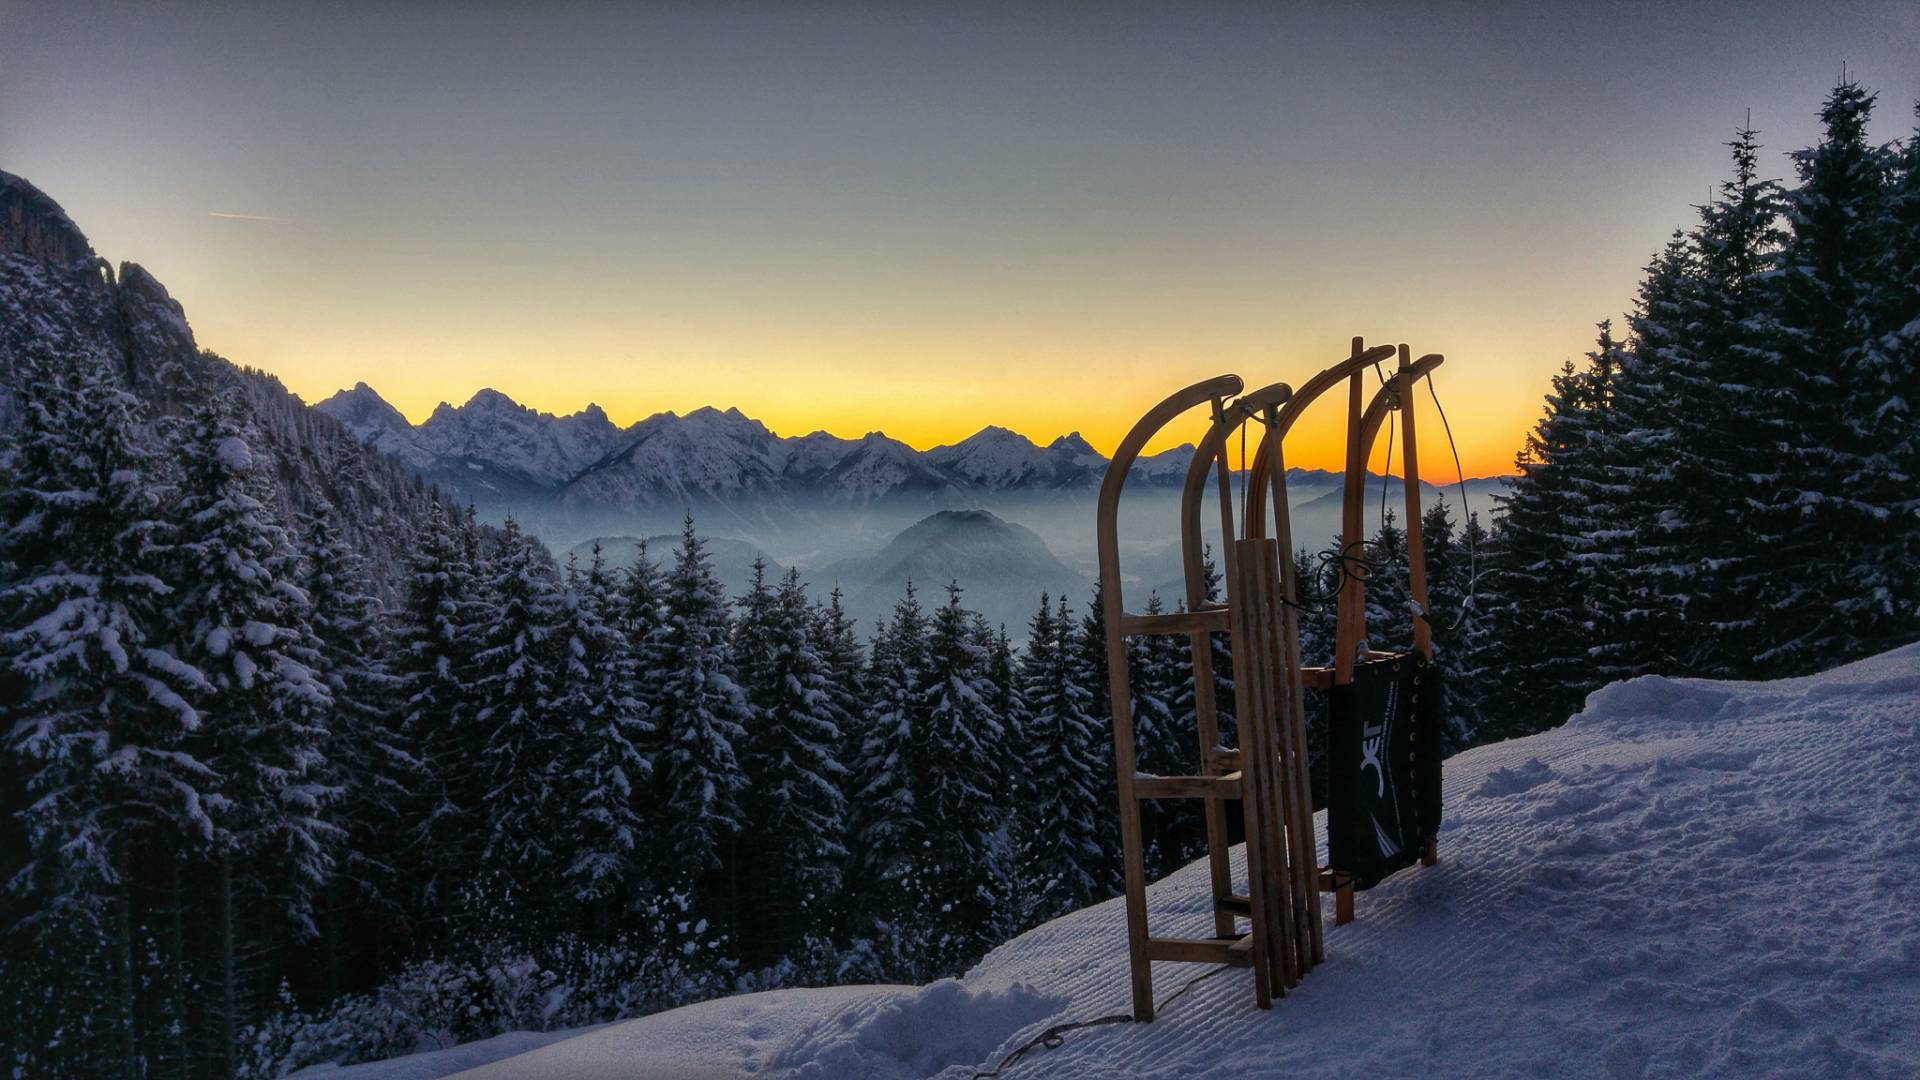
<point>366,757</point>
<point>892,830</point>
<point>517,679</point>
<point>1892,371</point>
<point>1582,578</point>
<point>794,849</point>
<point>1654,383</point>
<point>1065,814</point>
<point>1165,739</point>
<point>639,613</point>
<point>963,873</point>
<point>437,706</point>
<point>1389,602</point>
<point>601,764</point>
<point>1839,514</point>
<point>1084,647</point>
<point>242,619</point>
<point>1737,418</point>
<point>105,783</point>
<point>701,715</point>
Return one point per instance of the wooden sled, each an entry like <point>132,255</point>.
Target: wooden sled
<point>1350,633</point>
<point>1267,774</point>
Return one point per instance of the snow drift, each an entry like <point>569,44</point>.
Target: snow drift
<point>1688,878</point>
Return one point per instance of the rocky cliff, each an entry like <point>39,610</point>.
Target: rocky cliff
<point>60,302</point>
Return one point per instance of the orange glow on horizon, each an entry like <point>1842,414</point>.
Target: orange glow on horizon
<point>935,415</point>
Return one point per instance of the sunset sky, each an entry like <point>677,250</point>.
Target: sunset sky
<point>913,218</point>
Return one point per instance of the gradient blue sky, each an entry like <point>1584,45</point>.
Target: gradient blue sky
<point>913,217</point>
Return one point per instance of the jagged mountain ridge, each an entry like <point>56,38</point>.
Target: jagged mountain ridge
<point>61,302</point>
<point>494,450</point>
<point>491,444</point>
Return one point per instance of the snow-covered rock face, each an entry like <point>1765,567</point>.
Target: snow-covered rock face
<point>542,448</point>
<point>365,414</point>
<point>490,443</point>
<point>996,459</point>
<point>1691,878</point>
<point>62,304</point>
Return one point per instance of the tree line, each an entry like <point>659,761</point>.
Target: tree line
<point>1731,489</point>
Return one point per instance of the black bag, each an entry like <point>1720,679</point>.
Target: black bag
<point>1383,767</point>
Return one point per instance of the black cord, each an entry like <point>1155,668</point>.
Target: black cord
<point>1350,563</point>
<point>1054,1037</point>
<point>1386,471</point>
<point>1466,512</point>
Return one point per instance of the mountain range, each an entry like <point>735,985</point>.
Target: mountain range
<point>810,500</point>
<point>494,451</point>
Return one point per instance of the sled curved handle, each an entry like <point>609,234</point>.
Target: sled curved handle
<point>1259,478</point>
<point>1107,510</point>
<point>1212,454</point>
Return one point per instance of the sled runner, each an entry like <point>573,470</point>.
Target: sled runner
<point>1382,704</point>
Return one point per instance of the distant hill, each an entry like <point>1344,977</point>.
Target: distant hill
<point>1002,569</point>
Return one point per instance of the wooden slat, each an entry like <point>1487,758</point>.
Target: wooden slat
<point>1234,905</point>
<point>1199,950</point>
<point>1224,759</point>
<point>1297,789</point>
<point>1147,786</point>
<point>1350,615</point>
<point>1175,622</point>
<point>1316,678</point>
<point>1410,477</point>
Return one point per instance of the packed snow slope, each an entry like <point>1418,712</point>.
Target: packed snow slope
<point>1689,878</point>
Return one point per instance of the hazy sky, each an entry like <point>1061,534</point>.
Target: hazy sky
<point>913,218</point>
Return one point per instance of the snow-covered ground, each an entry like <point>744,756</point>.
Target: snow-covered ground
<point>1689,878</point>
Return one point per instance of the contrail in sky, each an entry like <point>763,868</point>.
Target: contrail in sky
<point>245,217</point>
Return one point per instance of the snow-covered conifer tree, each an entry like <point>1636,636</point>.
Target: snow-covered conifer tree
<point>100,774</point>
<point>242,619</point>
<point>1065,811</point>
<point>602,769</point>
<point>963,872</point>
<point>793,851</point>
<point>1733,424</point>
<point>1473,671</point>
<point>892,829</point>
<point>434,643</point>
<point>367,759</point>
<point>1842,506</point>
<point>701,716</point>
<point>1166,743</point>
<point>517,679</point>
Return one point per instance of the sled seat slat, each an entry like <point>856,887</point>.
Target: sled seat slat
<point>1187,787</point>
<point>1236,904</point>
<point>1203,621</point>
<point>1224,759</point>
<point>1237,951</point>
